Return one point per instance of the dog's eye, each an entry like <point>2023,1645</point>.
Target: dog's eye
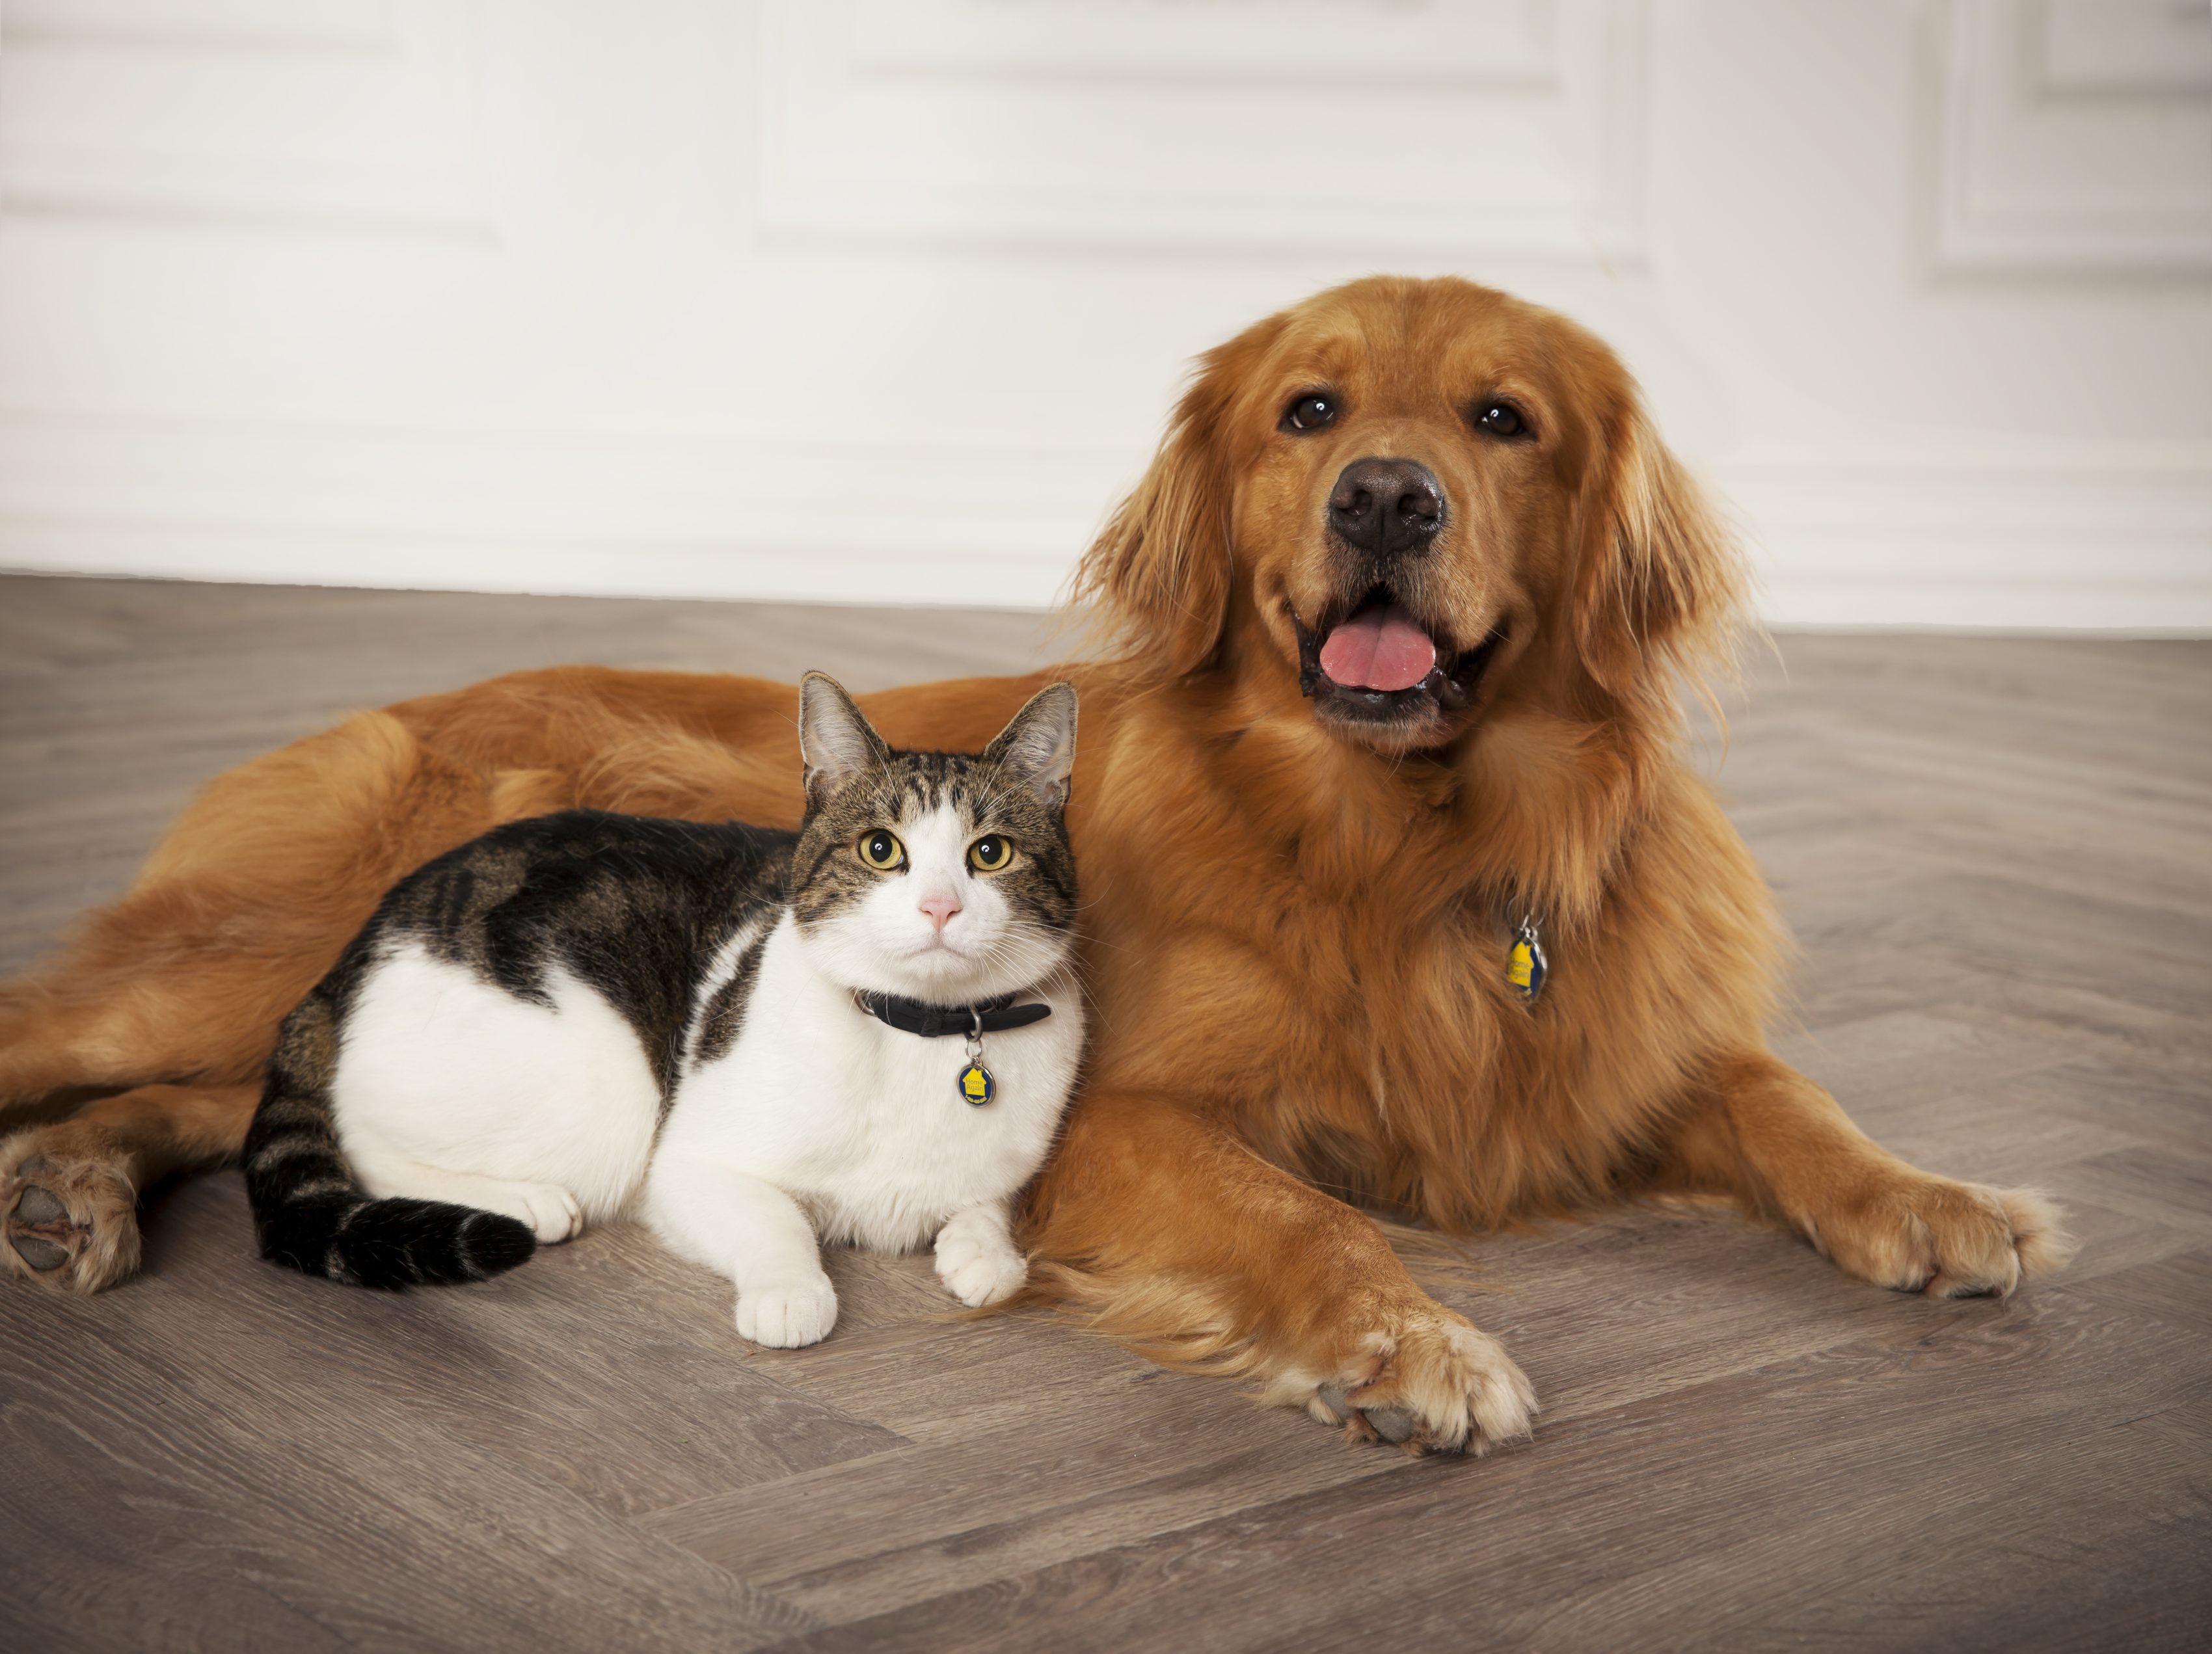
<point>1314,411</point>
<point>1499,419</point>
<point>881,849</point>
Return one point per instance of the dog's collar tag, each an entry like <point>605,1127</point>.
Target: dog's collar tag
<point>1525,969</point>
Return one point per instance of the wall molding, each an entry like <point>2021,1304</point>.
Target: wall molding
<point>2076,135</point>
<point>309,113</point>
<point>1466,43</point>
<point>2053,539</point>
<point>1129,124</point>
<point>2039,539</point>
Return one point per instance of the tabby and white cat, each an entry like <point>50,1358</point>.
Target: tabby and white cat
<point>756,1040</point>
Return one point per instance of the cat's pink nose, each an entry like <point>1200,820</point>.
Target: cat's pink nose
<point>940,909</point>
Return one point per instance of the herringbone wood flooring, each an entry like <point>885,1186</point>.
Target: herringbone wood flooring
<point>1995,855</point>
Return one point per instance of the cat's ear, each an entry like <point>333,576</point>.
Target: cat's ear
<point>835,740</point>
<point>1038,748</point>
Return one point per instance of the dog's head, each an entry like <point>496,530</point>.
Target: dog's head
<point>1413,499</point>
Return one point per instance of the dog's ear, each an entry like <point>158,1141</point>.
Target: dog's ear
<point>1160,570</point>
<point>1659,584</point>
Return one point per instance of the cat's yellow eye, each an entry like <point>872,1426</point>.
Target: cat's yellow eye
<point>990,854</point>
<point>880,849</point>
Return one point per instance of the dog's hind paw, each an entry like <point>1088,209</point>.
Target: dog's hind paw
<point>67,1221</point>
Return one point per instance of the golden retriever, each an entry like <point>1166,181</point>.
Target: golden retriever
<point>1407,602</point>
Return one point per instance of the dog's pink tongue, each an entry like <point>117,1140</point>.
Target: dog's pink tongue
<point>1378,648</point>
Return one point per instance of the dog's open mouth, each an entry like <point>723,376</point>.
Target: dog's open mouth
<point>1375,663</point>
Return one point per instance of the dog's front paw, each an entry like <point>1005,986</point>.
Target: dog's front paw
<point>1920,1233</point>
<point>788,1316</point>
<point>1433,1384</point>
<point>69,1218</point>
<point>977,1263</point>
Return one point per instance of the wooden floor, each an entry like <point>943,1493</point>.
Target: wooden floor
<point>1995,854</point>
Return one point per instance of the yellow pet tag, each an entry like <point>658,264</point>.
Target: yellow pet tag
<point>977,1087</point>
<point>1525,969</point>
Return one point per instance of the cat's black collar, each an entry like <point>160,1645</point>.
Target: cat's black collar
<point>936,1021</point>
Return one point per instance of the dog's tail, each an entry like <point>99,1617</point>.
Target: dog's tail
<point>310,1211</point>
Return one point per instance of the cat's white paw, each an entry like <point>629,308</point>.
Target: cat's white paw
<point>978,1264</point>
<point>546,1209</point>
<point>788,1317</point>
<point>550,1211</point>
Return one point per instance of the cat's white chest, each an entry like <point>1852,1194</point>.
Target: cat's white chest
<point>867,1125</point>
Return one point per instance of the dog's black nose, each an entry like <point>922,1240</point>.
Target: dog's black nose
<point>1387,507</point>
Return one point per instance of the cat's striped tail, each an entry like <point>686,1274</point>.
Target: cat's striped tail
<point>309,1211</point>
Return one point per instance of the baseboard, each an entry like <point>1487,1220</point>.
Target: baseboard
<point>639,515</point>
<point>2117,540</point>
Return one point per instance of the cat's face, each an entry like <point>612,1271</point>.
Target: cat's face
<point>941,876</point>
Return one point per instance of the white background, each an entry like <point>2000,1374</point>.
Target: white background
<point>885,300</point>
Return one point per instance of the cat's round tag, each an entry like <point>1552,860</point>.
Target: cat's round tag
<point>977,1085</point>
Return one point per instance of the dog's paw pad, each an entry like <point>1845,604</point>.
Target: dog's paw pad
<point>70,1225</point>
<point>1393,1424</point>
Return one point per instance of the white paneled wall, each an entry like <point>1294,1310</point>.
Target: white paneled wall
<point>884,299</point>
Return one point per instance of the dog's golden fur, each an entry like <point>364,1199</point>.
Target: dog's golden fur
<point>1296,919</point>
